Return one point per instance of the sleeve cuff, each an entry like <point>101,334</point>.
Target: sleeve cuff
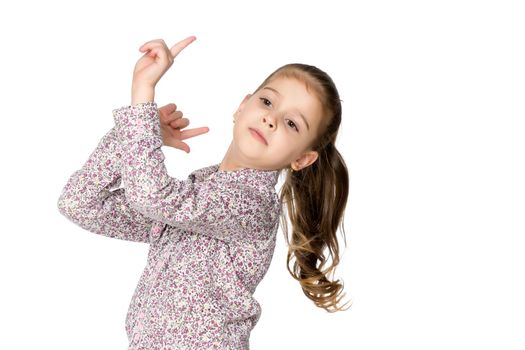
<point>133,122</point>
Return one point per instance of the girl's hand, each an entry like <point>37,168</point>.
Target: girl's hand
<point>157,60</point>
<point>171,122</point>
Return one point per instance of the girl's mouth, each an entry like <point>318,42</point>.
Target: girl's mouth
<point>258,136</point>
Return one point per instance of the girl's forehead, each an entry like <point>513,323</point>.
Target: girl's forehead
<point>286,81</point>
<point>289,88</point>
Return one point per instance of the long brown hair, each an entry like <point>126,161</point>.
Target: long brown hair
<point>316,195</point>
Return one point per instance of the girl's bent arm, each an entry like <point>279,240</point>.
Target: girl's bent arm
<point>212,207</point>
<point>87,198</point>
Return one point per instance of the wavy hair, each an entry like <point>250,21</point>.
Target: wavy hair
<point>314,198</point>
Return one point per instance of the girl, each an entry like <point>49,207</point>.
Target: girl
<point>212,236</point>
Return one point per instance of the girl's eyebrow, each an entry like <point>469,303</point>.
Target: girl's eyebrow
<point>278,93</point>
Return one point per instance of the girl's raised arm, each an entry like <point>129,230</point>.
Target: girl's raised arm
<point>87,200</point>
<point>213,207</point>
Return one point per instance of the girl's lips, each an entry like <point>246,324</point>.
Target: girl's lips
<point>258,136</point>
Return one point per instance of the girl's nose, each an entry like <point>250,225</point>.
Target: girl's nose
<point>269,121</point>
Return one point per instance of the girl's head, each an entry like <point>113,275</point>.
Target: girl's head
<point>291,109</point>
<point>298,112</point>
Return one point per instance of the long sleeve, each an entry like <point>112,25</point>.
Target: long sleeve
<point>88,200</point>
<point>215,207</point>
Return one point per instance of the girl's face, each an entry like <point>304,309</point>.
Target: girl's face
<point>288,118</point>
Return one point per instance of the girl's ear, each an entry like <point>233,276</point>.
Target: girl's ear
<point>246,98</point>
<point>241,106</point>
<point>306,159</point>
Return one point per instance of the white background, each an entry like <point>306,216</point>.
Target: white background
<point>432,133</point>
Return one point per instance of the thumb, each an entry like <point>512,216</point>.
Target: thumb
<point>181,145</point>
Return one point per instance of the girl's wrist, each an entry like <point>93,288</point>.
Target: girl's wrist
<point>142,94</point>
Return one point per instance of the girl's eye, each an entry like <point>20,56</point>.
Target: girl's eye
<point>293,125</point>
<point>264,100</point>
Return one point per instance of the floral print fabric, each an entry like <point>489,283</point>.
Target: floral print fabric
<point>211,236</point>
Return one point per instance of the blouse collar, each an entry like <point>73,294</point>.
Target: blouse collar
<point>248,176</point>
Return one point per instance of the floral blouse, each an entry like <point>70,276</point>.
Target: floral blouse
<point>211,236</point>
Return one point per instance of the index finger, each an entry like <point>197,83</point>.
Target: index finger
<point>178,47</point>
<point>186,134</point>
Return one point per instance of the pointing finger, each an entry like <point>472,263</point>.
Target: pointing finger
<point>178,47</point>
<point>185,134</point>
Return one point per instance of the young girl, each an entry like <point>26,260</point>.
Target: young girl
<point>212,236</point>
